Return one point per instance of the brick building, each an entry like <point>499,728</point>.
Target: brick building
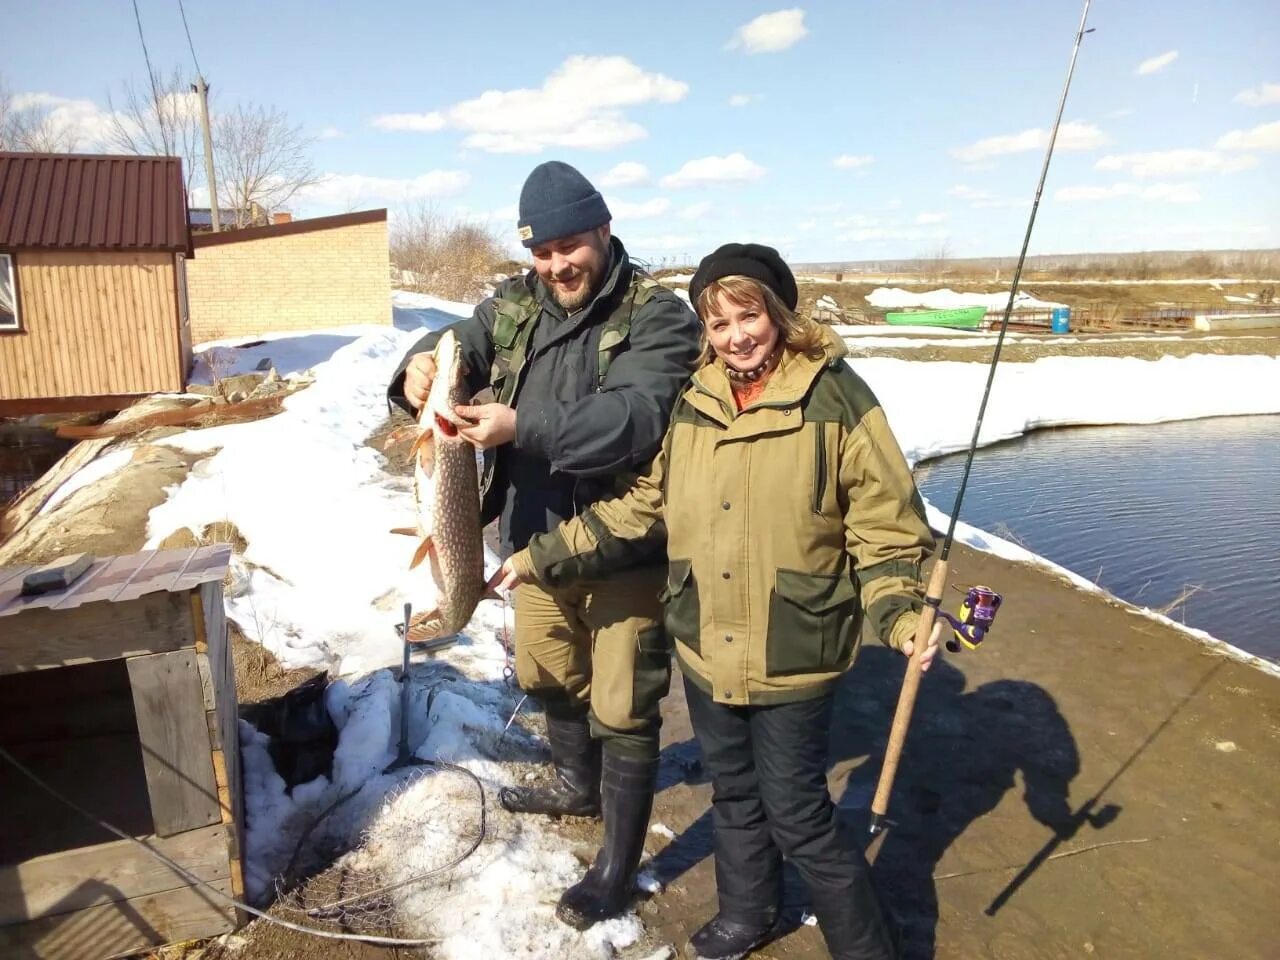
<point>299,275</point>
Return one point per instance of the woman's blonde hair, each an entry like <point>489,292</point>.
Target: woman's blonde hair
<point>800,334</point>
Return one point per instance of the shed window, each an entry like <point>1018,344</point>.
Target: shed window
<point>8,293</point>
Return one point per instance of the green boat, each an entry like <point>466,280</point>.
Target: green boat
<point>962,318</point>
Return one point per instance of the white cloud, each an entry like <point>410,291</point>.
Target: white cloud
<point>579,106</point>
<point>1156,64</point>
<point>1119,113</point>
<point>924,218</point>
<point>624,210</point>
<point>894,233</point>
<point>1174,163</point>
<point>745,99</point>
<point>856,220</point>
<point>79,124</point>
<point>734,168</point>
<point>981,199</point>
<point>414,122</point>
<point>352,190</point>
<point>626,174</point>
<point>806,225</point>
<point>1072,136</point>
<point>330,133</point>
<point>664,242</point>
<point>1264,137</point>
<point>695,211</point>
<point>770,32</point>
<point>852,161</point>
<point>1160,192</point>
<point>1259,96</point>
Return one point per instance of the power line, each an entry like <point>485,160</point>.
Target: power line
<point>151,74</point>
<point>183,11</point>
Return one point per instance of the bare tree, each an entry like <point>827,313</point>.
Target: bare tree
<point>30,123</point>
<point>163,119</point>
<point>447,258</point>
<point>937,260</point>
<point>262,160</point>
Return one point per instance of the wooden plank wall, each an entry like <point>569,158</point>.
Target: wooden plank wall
<point>43,638</point>
<point>214,648</point>
<point>93,323</point>
<point>174,733</point>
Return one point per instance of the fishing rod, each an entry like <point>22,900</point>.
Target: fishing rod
<point>981,603</point>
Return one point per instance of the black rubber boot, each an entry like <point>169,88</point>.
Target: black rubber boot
<point>575,792</point>
<point>855,924</point>
<point>626,792</point>
<point>724,939</point>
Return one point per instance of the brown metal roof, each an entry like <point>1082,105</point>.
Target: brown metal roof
<point>70,201</point>
<point>285,229</point>
<point>116,579</point>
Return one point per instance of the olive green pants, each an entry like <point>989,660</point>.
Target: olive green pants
<point>599,645</point>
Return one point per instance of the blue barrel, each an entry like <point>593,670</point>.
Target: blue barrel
<point>1060,320</point>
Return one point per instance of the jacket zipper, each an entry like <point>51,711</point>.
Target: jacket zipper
<point>820,467</point>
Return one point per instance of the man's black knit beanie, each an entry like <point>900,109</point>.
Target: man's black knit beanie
<point>557,201</point>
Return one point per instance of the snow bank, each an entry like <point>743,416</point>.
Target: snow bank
<point>894,298</point>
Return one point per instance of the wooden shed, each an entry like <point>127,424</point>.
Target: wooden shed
<point>118,692</point>
<point>93,311</point>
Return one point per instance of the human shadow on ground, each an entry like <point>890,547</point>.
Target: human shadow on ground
<point>963,754</point>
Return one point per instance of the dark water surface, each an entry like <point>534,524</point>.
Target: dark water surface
<point>1148,512</point>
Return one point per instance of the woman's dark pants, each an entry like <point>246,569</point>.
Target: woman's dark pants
<point>768,766</point>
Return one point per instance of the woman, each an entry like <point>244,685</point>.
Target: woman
<point>788,510</point>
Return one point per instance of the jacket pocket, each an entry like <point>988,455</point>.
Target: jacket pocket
<point>813,623</point>
<point>651,673</point>
<point>680,603</point>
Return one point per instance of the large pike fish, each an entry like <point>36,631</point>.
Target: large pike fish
<point>446,492</point>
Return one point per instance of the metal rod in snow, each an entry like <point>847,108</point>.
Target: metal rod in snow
<point>1013,290</point>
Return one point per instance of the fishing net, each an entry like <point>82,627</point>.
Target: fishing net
<point>429,821</point>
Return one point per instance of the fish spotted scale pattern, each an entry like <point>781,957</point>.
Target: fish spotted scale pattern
<point>446,485</point>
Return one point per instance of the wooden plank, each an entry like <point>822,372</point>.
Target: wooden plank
<point>76,879</point>
<point>123,927</point>
<point>175,741</point>
<point>227,707</point>
<point>206,680</point>
<point>43,638</point>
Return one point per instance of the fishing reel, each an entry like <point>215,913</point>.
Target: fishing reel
<point>977,615</point>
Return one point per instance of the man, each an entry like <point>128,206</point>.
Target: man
<point>585,355</point>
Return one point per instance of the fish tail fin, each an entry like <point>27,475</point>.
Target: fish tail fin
<point>425,626</point>
<point>424,550</point>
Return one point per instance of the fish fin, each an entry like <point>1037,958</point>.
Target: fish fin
<point>424,548</point>
<point>398,434</point>
<point>424,626</point>
<point>407,531</point>
<point>424,448</point>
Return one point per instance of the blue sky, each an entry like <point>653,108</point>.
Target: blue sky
<point>835,130</point>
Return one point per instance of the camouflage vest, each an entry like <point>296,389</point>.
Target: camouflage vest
<point>513,326</point>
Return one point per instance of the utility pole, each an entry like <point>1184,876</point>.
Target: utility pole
<point>202,89</point>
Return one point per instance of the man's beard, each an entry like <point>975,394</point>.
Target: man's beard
<point>576,299</point>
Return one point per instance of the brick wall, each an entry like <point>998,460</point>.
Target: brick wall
<point>327,277</point>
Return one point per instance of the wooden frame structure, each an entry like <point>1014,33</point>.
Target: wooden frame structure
<point>119,692</point>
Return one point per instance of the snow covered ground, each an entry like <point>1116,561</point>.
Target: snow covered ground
<point>895,298</point>
<point>322,582</point>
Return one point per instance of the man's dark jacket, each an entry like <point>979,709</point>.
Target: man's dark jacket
<point>573,435</point>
